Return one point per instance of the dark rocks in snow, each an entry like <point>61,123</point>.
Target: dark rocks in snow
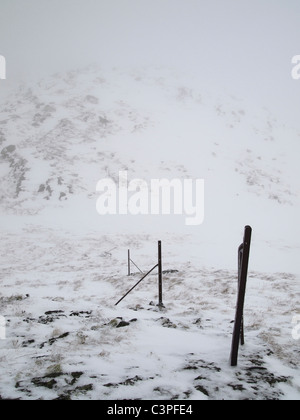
<point>52,316</point>
<point>44,382</point>
<point>85,314</point>
<point>127,382</point>
<point>122,324</point>
<point>136,308</point>
<point>53,312</point>
<point>18,168</point>
<point>13,298</point>
<point>27,343</point>
<point>119,322</point>
<point>202,390</point>
<point>253,382</point>
<point>156,308</point>
<point>54,339</point>
<point>165,322</point>
<point>62,383</point>
<point>198,322</point>
<point>49,187</point>
<point>133,320</point>
<point>7,151</point>
<point>170,272</point>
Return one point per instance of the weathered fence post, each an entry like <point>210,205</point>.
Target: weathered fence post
<point>160,275</point>
<point>238,332</point>
<point>129,269</point>
<point>240,261</point>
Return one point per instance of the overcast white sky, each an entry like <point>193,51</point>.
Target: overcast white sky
<point>243,46</point>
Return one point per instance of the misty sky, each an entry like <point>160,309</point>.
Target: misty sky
<point>242,46</point>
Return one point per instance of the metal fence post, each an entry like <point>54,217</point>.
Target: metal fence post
<point>240,261</point>
<point>129,270</point>
<point>238,332</point>
<point>160,297</point>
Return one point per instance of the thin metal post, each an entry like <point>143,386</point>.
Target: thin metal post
<point>241,251</point>
<point>238,324</point>
<point>160,298</point>
<point>241,248</point>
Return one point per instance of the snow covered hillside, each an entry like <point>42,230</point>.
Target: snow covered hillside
<point>63,267</point>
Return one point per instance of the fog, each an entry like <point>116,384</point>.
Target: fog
<point>243,47</point>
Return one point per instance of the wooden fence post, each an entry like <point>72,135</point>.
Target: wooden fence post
<point>238,332</point>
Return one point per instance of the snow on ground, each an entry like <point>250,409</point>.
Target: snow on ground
<point>63,267</point>
<point>66,339</point>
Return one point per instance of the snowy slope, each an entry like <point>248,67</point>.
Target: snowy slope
<point>64,266</point>
<point>59,137</point>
